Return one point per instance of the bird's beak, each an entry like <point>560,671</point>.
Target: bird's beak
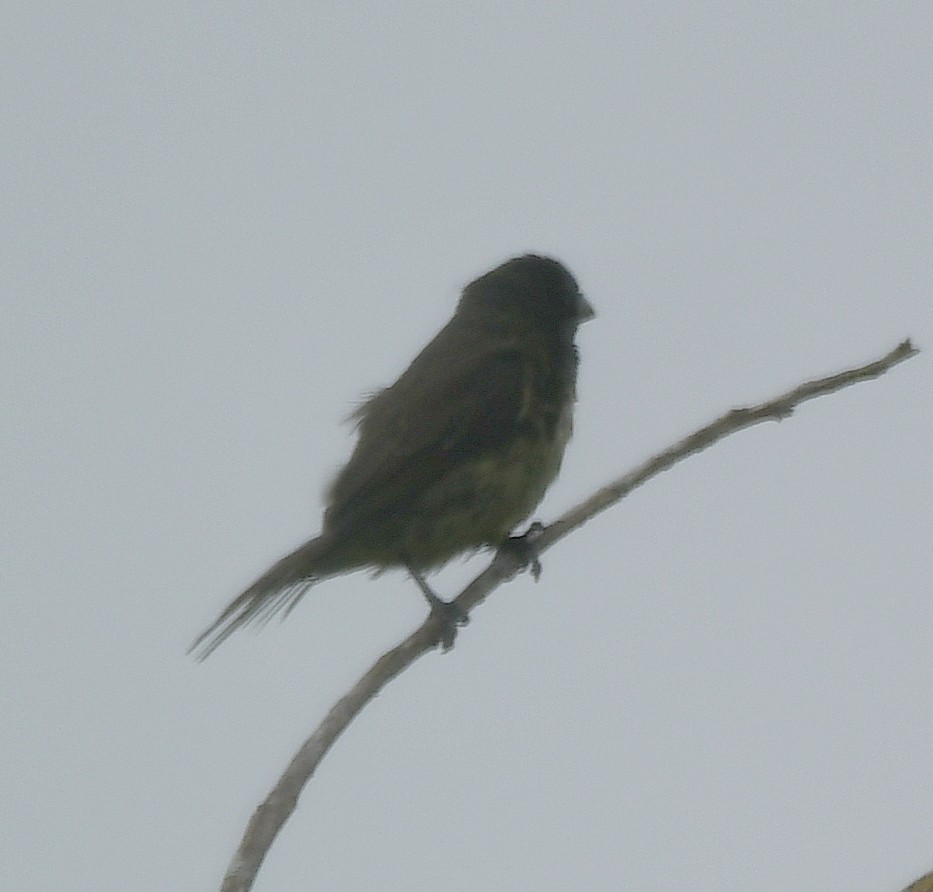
<point>584,309</point>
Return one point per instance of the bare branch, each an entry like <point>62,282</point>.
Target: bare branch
<point>924,884</point>
<point>271,815</point>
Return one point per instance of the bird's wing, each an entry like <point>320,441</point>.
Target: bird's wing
<point>448,407</point>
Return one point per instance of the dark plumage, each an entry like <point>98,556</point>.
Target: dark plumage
<point>456,452</point>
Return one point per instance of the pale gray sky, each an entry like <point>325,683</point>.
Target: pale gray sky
<point>223,224</point>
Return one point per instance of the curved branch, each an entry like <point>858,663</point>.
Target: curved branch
<point>924,884</point>
<point>271,815</point>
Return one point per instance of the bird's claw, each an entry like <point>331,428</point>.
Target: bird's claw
<point>523,547</point>
<point>449,617</point>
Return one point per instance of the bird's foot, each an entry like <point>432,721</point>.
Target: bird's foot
<point>523,547</point>
<point>449,616</point>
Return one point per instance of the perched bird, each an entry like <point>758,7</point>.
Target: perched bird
<point>456,453</point>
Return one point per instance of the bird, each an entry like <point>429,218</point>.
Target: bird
<point>451,457</point>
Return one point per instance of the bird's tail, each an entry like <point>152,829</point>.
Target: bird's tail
<point>276,591</point>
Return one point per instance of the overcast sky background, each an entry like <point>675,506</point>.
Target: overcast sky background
<point>223,224</point>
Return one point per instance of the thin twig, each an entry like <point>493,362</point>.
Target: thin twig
<point>271,815</point>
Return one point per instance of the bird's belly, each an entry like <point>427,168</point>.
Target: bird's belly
<point>480,502</point>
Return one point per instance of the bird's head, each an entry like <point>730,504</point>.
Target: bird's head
<point>535,286</point>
